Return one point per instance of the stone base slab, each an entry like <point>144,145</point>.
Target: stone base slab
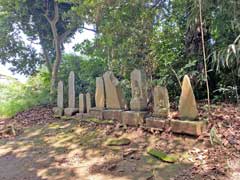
<point>133,118</point>
<point>70,111</point>
<point>113,115</point>
<point>195,128</point>
<point>58,111</point>
<point>96,113</point>
<point>156,122</point>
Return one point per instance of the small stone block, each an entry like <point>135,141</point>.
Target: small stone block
<point>58,111</point>
<point>96,113</point>
<point>133,118</point>
<point>70,111</point>
<point>158,123</point>
<point>195,128</point>
<point>79,115</point>
<point>113,115</point>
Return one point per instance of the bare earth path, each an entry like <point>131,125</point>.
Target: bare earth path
<point>71,150</point>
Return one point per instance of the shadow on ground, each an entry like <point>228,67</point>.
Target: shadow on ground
<point>73,150</point>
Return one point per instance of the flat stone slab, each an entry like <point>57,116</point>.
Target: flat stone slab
<point>133,118</point>
<point>70,111</point>
<point>113,115</point>
<point>58,111</point>
<point>156,122</point>
<point>96,113</point>
<point>194,128</point>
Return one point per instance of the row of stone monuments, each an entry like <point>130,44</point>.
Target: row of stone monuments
<point>111,104</point>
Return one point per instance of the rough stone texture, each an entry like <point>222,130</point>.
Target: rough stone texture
<point>71,90</point>
<point>133,118</point>
<point>96,113</point>
<point>139,91</point>
<point>187,103</point>
<point>58,111</point>
<point>88,102</point>
<point>113,115</point>
<point>195,128</point>
<point>82,103</point>
<point>114,95</point>
<point>70,111</point>
<point>60,95</point>
<point>161,102</point>
<point>100,93</point>
<point>155,122</point>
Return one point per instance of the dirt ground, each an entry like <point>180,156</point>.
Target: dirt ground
<point>71,150</point>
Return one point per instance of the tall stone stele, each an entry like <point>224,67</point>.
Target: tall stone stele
<point>187,104</point>
<point>82,103</point>
<point>71,95</point>
<point>139,90</point>
<point>100,93</point>
<point>114,95</point>
<point>59,109</point>
<point>161,102</point>
<point>88,102</point>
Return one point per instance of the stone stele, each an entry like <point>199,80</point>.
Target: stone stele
<point>114,95</point>
<point>100,93</point>
<point>161,102</point>
<point>187,102</point>
<point>139,91</point>
<point>82,103</point>
<point>60,94</point>
<point>88,102</point>
<point>71,90</point>
<point>71,96</point>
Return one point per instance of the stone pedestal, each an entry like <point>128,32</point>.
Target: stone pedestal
<point>195,128</point>
<point>70,111</point>
<point>113,115</point>
<point>58,111</point>
<point>133,118</point>
<point>158,123</point>
<point>96,113</point>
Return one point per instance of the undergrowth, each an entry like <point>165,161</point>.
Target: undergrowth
<point>16,96</point>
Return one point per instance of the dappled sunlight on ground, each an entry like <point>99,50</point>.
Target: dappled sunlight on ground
<point>71,150</point>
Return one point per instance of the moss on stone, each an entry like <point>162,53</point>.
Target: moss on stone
<point>161,155</point>
<point>118,142</point>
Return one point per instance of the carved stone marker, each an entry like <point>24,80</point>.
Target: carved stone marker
<point>100,93</point>
<point>60,94</point>
<point>88,102</point>
<point>161,102</point>
<point>82,103</point>
<point>187,103</point>
<point>59,109</point>
<point>114,95</point>
<point>71,95</point>
<point>71,90</point>
<point>139,91</point>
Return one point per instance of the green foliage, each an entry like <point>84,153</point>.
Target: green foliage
<point>16,97</point>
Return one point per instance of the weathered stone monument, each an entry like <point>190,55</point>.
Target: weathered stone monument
<point>114,95</point>
<point>188,112</point>
<point>161,102</point>
<point>59,109</point>
<point>161,109</point>
<point>88,102</point>
<point>100,100</point>
<point>138,103</point>
<point>139,90</point>
<point>82,103</point>
<point>187,103</point>
<point>100,93</point>
<point>71,96</point>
